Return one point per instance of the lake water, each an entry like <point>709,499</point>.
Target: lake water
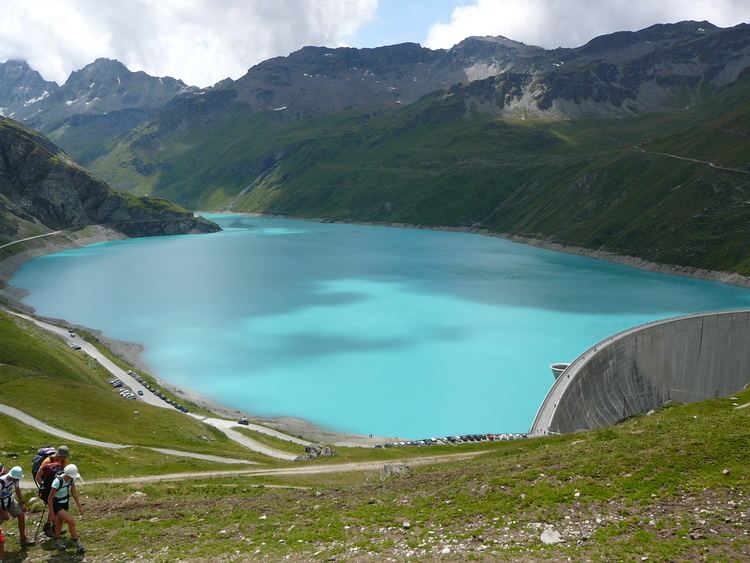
<point>395,332</point>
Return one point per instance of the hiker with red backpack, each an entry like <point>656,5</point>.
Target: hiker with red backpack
<point>10,507</point>
<point>63,487</point>
<point>49,463</point>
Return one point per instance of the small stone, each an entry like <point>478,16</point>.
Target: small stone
<point>395,470</point>
<point>577,494</point>
<point>406,525</point>
<point>154,519</point>
<point>137,494</point>
<point>725,471</point>
<point>446,550</point>
<point>222,532</point>
<point>262,517</point>
<point>550,536</point>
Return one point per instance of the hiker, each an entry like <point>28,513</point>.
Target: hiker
<point>50,467</point>
<point>63,487</point>
<point>10,507</point>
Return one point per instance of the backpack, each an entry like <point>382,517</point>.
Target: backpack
<point>41,454</point>
<point>49,472</point>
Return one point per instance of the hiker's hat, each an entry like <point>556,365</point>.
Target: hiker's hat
<point>72,471</point>
<point>62,451</point>
<point>16,472</point>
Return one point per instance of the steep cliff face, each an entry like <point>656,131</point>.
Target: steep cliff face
<point>41,189</point>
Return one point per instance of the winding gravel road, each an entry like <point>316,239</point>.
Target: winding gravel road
<point>148,397</point>
<point>317,469</point>
<point>70,437</point>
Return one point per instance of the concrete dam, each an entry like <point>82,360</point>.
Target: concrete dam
<point>682,360</point>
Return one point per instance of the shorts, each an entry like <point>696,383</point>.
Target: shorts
<point>57,506</point>
<point>14,509</point>
<point>44,494</point>
<point>11,507</point>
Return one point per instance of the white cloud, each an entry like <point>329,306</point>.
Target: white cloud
<point>570,23</point>
<point>199,41</point>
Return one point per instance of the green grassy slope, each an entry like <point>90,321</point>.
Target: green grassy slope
<point>41,376</point>
<point>671,486</point>
<point>441,162</point>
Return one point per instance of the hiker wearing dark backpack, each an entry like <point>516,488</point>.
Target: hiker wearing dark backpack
<point>10,507</point>
<point>48,468</point>
<point>63,487</point>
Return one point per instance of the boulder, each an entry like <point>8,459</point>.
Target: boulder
<point>395,469</point>
<point>550,536</point>
<point>314,451</point>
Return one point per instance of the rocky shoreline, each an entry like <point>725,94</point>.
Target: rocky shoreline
<point>730,278</point>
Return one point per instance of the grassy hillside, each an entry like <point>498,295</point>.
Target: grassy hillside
<point>41,376</point>
<point>671,486</point>
<point>442,161</point>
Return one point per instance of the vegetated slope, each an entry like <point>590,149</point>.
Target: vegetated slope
<point>67,389</point>
<point>659,68</point>
<point>670,486</point>
<point>42,190</point>
<point>444,161</point>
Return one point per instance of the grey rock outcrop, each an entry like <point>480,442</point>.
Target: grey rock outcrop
<point>314,451</point>
<point>395,470</point>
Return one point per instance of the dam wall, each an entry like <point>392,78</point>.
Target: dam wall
<point>683,360</point>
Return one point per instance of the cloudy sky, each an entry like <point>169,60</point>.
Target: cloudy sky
<point>204,41</point>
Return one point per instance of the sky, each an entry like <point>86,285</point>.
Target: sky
<point>204,41</point>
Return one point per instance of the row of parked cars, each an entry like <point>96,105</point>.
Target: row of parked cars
<point>156,391</point>
<point>125,392</point>
<point>465,438</point>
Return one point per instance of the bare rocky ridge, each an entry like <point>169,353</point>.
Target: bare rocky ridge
<point>100,87</point>
<point>42,190</point>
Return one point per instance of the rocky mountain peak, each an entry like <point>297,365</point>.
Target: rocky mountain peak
<point>21,86</point>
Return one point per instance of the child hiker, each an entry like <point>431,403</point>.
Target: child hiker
<point>10,507</point>
<point>63,487</point>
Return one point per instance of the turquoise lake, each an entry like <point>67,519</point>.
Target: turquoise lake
<point>373,330</point>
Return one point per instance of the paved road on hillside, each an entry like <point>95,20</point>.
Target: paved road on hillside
<point>130,381</point>
<point>148,397</point>
<point>227,427</point>
<point>70,437</point>
<point>28,238</point>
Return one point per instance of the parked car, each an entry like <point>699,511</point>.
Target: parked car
<point>75,346</point>
<point>140,391</point>
<point>244,421</point>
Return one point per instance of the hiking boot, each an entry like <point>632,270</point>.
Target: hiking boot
<point>49,530</point>
<point>79,546</point>
<point>26,542</point>
<point>59,544</point>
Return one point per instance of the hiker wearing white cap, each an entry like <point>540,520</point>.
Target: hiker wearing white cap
<point>63,487</point>
<point>10,507</point>
<point>49,468</point>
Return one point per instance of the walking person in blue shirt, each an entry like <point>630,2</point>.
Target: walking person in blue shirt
<point>63,487</point>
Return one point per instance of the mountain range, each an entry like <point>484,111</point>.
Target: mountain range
<point>565,145</point>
